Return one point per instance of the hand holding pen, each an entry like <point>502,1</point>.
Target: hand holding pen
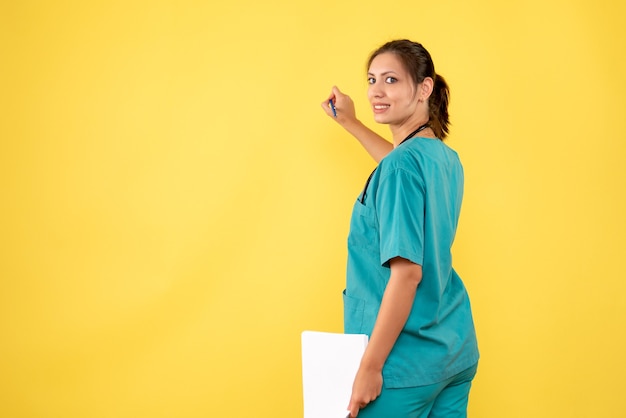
<point>339,106</point>
<point>332,107</point>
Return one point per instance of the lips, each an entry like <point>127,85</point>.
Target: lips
<point>380,107</point>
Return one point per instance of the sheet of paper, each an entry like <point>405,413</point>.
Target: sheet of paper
<point>329,363</point>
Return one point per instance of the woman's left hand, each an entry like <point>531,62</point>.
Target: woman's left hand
<point>367,386</point>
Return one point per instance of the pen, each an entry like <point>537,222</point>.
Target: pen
<point>332,106</point>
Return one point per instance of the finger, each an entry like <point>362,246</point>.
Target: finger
<point>340,99</point>
<point>353,407</point>
<point>327,108</point>
<point>326,103</point>
<point>337,95</point>
<point>354,412</point>
<point>332,96</point>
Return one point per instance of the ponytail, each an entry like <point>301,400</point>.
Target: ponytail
<point>438,107</point>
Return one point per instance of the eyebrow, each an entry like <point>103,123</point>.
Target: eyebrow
<point>383,73</point>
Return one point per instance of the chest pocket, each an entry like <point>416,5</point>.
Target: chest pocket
<point>364,230</point>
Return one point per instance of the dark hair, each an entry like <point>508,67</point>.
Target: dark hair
<point>419,64</point>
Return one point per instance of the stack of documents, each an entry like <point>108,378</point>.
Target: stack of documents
<point>329,364</point>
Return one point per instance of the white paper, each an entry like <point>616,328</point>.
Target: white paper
<point>329,364</point>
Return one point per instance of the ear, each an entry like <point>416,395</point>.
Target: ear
<point>426,88</point>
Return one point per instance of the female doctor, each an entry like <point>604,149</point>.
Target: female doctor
<point>401,289</point>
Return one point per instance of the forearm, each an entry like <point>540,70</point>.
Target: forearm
<point>375,145</point>
<point>392,315</point>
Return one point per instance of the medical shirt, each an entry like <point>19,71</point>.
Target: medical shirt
<point>410,209</point>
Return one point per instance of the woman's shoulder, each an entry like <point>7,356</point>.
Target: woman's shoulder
<point>410,151</point>
<point>402,158</point>
<point>419,153</point>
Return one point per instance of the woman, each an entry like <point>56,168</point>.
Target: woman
<point>401,288</point>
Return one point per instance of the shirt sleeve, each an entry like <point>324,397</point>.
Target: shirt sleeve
<point>400,210</point>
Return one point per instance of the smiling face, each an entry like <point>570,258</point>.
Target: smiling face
<point>395,98</point>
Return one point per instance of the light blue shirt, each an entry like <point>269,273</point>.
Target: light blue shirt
<point>411,209</point>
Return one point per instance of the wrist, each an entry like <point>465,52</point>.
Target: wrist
<point>372,364</point>
<point>353,126</point>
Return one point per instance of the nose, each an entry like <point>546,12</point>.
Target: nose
<point>375,91</point>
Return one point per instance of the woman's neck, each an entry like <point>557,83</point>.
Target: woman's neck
<point>408,130</point>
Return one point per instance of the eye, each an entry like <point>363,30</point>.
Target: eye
<point>371,80</point>
<point>390,80</point>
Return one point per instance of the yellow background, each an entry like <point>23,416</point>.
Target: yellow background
<point>175,203</point>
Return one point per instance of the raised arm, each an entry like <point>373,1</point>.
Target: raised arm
<point>374,144</point>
